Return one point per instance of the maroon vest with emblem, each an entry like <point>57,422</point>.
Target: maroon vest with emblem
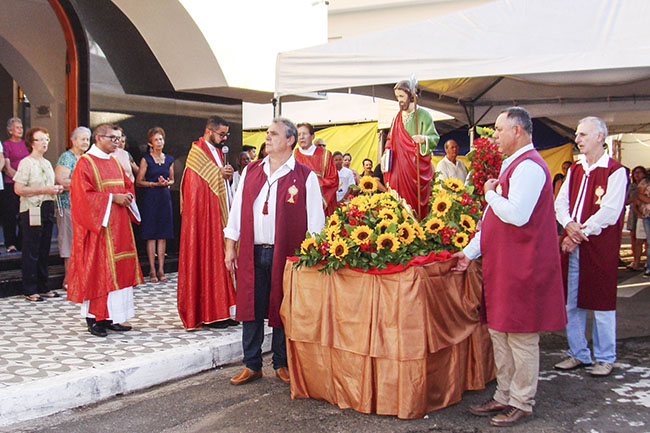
<point>290,229</point>
<point>599,257</point>
<point>522,283</point>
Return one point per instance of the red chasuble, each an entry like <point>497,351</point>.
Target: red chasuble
<point>102,259</point>
<point>598,272</point>
<point>205,289</point>
<point>290,229</point>
<point>522,283</point>
<point>403,174</point>
<point>322,163</point>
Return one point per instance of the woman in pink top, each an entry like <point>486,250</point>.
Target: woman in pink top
<point>14,150</point>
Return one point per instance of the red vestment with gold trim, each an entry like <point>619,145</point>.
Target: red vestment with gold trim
<point>322,163</point>
<point>102,259</point>
<point>205,288</point>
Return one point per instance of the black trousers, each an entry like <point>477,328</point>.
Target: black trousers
<point>36,249</point>
<point>9,211</point>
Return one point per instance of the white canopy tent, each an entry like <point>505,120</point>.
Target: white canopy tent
<point>562,60</point>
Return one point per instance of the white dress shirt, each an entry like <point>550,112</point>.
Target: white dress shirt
<point>346,178</point>
<point>611,203</point>
<point>526,185</point>
<point>264,225</point>
<point>449,169</point>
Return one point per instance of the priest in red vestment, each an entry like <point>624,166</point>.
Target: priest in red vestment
<point>104,263</point>
<point>205,290</point>
<point>409,144</point>
<point>320,161</point>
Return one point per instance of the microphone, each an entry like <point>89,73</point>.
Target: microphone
<point>225,149</point>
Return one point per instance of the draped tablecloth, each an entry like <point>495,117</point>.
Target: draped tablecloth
<point>399,344</point>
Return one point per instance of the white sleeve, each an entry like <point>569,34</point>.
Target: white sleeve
<point>315,213</point>
<point>526,185</point>
<point>562,211</point>
<point>232,229</point>
<point>473,249</point>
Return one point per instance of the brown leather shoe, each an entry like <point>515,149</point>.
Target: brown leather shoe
<point>488,408</point>
<point>283,374</point>
<point>245,376</point>
<point>510,416</point>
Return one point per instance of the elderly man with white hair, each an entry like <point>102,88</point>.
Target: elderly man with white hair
<point>589,206</point>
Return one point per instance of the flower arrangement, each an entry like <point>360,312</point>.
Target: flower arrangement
<point>454,212</point>
<point>485,159</point>
<point>374,230</point>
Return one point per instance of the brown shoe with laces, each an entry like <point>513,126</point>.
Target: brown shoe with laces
<point>510,416</point>
<point>488,408</point>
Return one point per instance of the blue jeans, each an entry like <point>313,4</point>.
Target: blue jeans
<point>604,326</point>
<point>646,226</point>
<point>253,331</point>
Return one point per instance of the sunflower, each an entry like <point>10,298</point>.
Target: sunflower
<point>387,241</point>
<point>368,184</point>
<point>467,222</point>
<point>453,184</point>
<point>339,248</point>
<point>419,231</point>
<point>333,221</point>
<point>441,204</point>
<point>361,235</point>
<point>434,225</point>
<point>382,226</point>
<point>306,244</point>
<point>388,214</point>
<point>332,233</point>
<point>388,203</point>
<point>406,233</point>
<point>461,239</point>
<point>361,202</point>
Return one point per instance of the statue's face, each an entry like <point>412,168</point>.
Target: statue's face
<point>403,98</point>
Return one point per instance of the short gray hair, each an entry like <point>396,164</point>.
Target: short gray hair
<point>601,126</point>
<point>10,123</point>
<point>80,130</point>
<point>289,128</point>
<point>521,117</point>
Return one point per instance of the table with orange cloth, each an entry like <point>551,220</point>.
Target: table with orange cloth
<point>401,344</point>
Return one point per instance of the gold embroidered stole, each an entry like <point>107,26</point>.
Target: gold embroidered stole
<point>200,163</point>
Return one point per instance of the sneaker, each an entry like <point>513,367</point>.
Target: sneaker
<point>602,369</point>
<point>570,363</point>
<point>646,274</point>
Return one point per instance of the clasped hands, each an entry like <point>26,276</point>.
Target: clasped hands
<point>123,199</point>
<point>574,237</point>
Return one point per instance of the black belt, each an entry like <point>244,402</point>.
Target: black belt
<point>265,246</point>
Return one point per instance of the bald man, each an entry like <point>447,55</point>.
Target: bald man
<point>449,166</point>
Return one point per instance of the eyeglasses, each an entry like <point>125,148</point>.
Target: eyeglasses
<point>221,134</point>
<point>113,138</point>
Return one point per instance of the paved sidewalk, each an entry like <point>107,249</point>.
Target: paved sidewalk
<point>49,362</point>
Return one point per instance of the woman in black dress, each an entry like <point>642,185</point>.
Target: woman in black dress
<point>155,176</point>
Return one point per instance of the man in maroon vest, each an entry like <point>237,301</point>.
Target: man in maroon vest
<point>522,282</point>
<point>590,208</point>
<point>277,201</point>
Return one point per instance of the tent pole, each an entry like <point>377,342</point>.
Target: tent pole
<point>277,107</point>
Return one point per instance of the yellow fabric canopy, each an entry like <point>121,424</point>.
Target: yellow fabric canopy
<point>358,140</point>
